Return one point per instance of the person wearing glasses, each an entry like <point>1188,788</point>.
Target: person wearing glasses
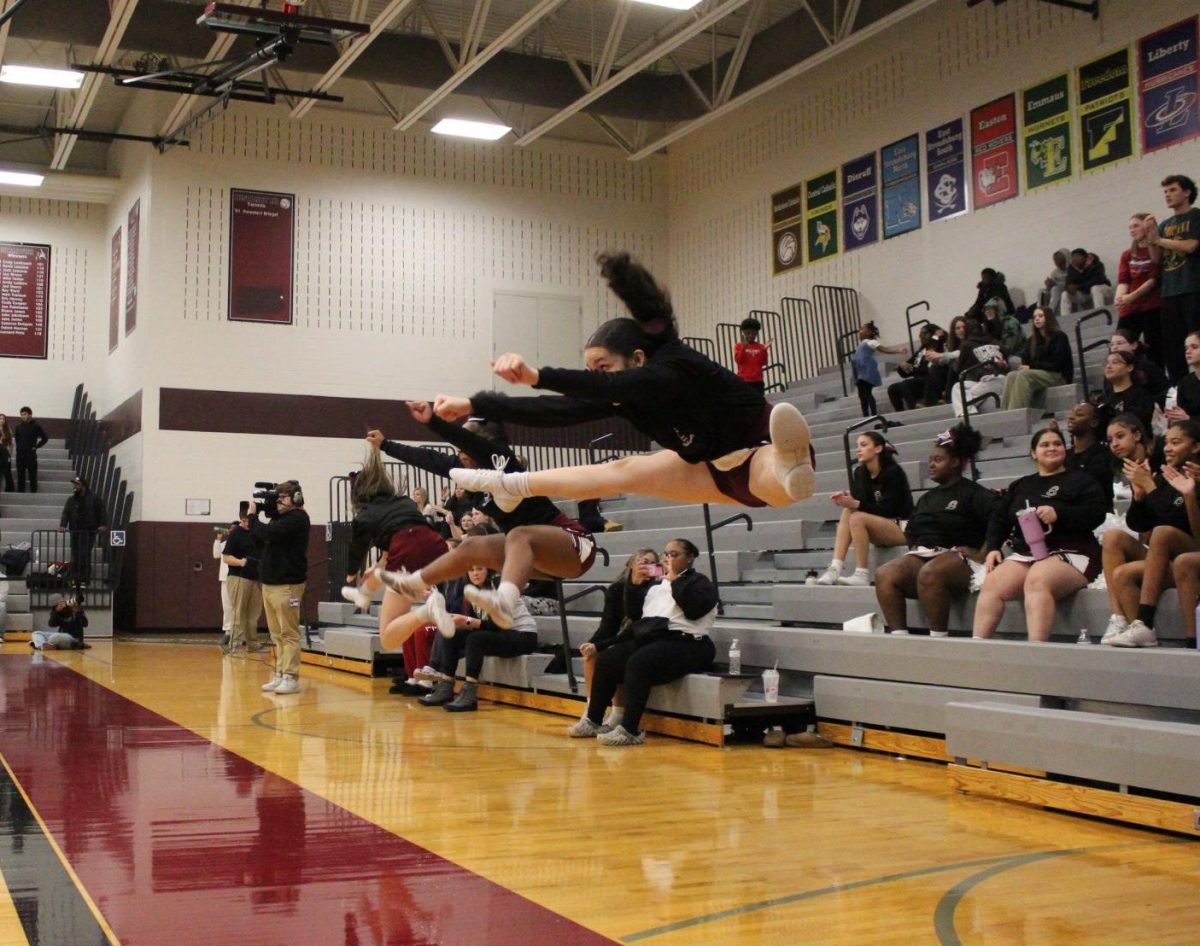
<point>667,640</point>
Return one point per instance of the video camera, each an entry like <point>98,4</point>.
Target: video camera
<point>267,497</point>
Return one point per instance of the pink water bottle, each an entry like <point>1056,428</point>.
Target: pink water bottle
<point>1034,531</point>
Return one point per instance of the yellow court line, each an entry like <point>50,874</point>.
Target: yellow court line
<point>112,937</point>
<point>12,932</point>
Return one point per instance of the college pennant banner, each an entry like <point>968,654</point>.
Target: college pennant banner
<point>1167,86</point>
<point>1046,127</point>
<point>821,216</point>
<point>901,171</point>
<point>994,151</point>
<point>787,229</point>
<point>1105,110</point>
<point>945,170</point>
<point>860,204</point>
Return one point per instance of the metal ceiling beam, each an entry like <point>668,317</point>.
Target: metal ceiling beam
<point>829,38</point>
<point>7,8</point>
<point>691,83</point>
<point>606,126</point>
<point>652,56</point>
<point>847,25</point>
<point>541,9</point>
<point>781,78</point>
<point>180,111</point>
<point>120,13</point>
<point>474,33</point>
<point>612,43</point>
<point>350,54</point>
<point>738,59</point>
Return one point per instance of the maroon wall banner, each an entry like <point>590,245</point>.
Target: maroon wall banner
<point>994,151</point>
<point>133,228</point>
<point>24,300</point>
<point>114,293</point>
<point>261,239</point>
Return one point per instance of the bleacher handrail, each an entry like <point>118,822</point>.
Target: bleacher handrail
<point>845,353</point>
<point>709,528</point>
<point>1082,349</point>
<point>961,382</point>
<point>912,348</point>
<point>563,601</point>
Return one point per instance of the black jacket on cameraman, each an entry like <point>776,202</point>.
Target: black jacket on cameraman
<point>83,512</point>
<point>284,543</point>
<point>379,520</point>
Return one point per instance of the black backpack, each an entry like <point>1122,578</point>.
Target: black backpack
<point>15,560</point>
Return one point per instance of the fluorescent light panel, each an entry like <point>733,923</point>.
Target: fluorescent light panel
<point>36,75</point>
<point>670,4</point>
<point>21,178</point>
<point>461,128</point>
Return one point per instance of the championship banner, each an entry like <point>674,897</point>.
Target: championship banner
<point>994,151</point>
<point>1046,131</point>
<point>901,163</point>
<point>114,293</point>
<point>262,234</point>
<point>821,216</point>
<point>1105,110</point>
<point>946,171</point>
<point>133,228</point>
<point>860,203</point>
<point>787,229</point>
<point>1167,86</point>
<point>24,299</point>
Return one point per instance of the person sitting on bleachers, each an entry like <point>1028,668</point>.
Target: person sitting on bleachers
<point>1088,452</point>
<point>991,285</point>
<point>1087,283</point>
<point>1045,363</point>
<point>1121,391</point>
<point>1185,569</point>
<point>1164,515</point>
<point>1187,393</point>
<point>984,363</point>
<point>1056,282</point>
<point>878,500</point>
<point>668,640</point>
<point>621,598</point>
<point>1071,504</point>
<point>945,537</point>
<point>906,394</point>
<point>1128,439</point>
<point>1003,327</point>
<point>1146,371</point>
<point>942,365</point>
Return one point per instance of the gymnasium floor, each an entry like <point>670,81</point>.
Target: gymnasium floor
<point>152,795</point>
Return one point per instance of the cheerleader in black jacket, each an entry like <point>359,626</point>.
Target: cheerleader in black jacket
<point>1070,502</point>
<point>945,538</point>
<point>1163,513</point>
<point>724,443</point>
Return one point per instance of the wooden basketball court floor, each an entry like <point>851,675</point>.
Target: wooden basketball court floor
<point>151,794</point>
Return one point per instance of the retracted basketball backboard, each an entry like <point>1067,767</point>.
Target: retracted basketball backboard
<point>253,21</point>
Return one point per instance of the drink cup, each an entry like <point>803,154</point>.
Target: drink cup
<point>771,685</point>
<point>1034,531</point>
<point>864,624</point>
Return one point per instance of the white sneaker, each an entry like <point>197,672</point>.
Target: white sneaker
<point>357,597</point>
<point>435,608</point>
<point>403,583</point>
<point>289,684</point>
<point>586,729</point>
<point>1136,635</point>
<point>857,580</point>
<point>939,633</point>
<point>487,481</point>
<point>1116,626</point>
<point>271,685</point>
<point>492,604</point>
<point>792,440</point>
<point>829,577</point>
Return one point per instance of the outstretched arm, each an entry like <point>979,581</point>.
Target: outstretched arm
<point>532,411</point>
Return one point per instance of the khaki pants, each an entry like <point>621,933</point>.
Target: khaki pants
<point>246,603</point>
<point>283,620</point>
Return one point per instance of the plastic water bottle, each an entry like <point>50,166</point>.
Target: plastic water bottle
<point>735,657</point>
<point>1083,637</point>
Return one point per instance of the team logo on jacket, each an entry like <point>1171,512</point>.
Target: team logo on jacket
<point>685,440</point>
<point>952,505</point>
<point>1050,493</point>
<point>878,496</point>
<point>1178,501</point>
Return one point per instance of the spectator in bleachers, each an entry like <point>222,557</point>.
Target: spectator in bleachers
<point>1185,570</point>
<point>28,439</point>
<point>866,368</point>
<point>1056,282</point>
<point>621,599</point>
<point>750,355</point>
<point>1175,245</point>
<point>668,640</point>
<point>1139,305</point>
<point>6,450</point>
<point>911,392</point>
<point>1128,439</point>
<point>991,285</point>
<point>943,365</point>
<point>1045,363</point>
<point>1089,453</point>
<point>84,517</point>
<point>1187,393</point>
<point>1068,502</point>
<point>1146,371</point>
<point>1087,283</point>
<point>1003,327</point>
<point>945,538</point>
<point>982,361</point>
<point>1165,515</point>
<point>873,510</point>
<point>1121,393</point>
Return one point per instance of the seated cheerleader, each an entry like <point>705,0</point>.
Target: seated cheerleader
<point>1128,439</point>
<point>945,538</point>
<point>1071,504</point>
<point>1163,515</point>
<point>724,443</point>
<point>1089,452</point>
<point>879,498</point>
<point>1186,567</point>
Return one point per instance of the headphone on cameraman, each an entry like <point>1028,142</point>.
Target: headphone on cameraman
<point>296,493</point>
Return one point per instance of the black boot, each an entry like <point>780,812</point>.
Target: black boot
<point>467,701</point>
<point>442,693</point>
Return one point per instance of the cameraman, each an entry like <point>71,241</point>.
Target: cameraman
<point>282,569</point>
<point>67,621</point>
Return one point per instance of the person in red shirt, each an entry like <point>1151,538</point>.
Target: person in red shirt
<point>750,355</point>
<point>1137,297</point>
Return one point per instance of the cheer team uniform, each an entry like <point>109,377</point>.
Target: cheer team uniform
<point>394,525</point>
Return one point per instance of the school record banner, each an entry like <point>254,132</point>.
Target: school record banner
<point>262,231</point>
<point>945,170</point>
<point>1105,110</point>
<point>860,202</point>
<point>821,216</point>
<point>994,175</point>
<point>1046,126</point>
<point>114,292</point>
<point>901,163</point>
<point>787,229</point>
<point>1167,86</point>
<point>24,299</point>
<point>133,232</point>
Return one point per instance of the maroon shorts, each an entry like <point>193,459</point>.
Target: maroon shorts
<point>411,549</point>
<point>585,544</point>
<point>735,483</point>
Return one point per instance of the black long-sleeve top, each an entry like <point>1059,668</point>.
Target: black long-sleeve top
<point>886,495</point>
<point>1187,395</point>
<point>1162,506</point>
<point>1073,495</point>
<point>679,399</point>
<point>29,436</point>
<point>69,621</point>
<point>1135,399</point>
<point>1054,355</point>
<point>1097,462</point>
<point>240,544</point>
<point>375,525</point>
<point>284,544</point>
<point>537,510</point>
<point>695,594</point>
<point>83,513</point>
<point>950,516</point>
<point>621,599</point>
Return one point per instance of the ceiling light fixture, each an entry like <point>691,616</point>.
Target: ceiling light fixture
<point>21,178</point>
<point>670,4</point>
<point>461,128</point>
<point>47,78</point>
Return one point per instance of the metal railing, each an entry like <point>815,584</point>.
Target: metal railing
<point>1082,350</point>
<point>846,349</point>
<point>709,528</point>
<point>706,346</point>
<point>961,382</point>
<point>563,601</point>
<point>729,334</point>
<point>912,347</point>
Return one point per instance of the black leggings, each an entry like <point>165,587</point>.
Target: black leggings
<point>644,667</point>
<point>476,645</point>
<point>866,398</point>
